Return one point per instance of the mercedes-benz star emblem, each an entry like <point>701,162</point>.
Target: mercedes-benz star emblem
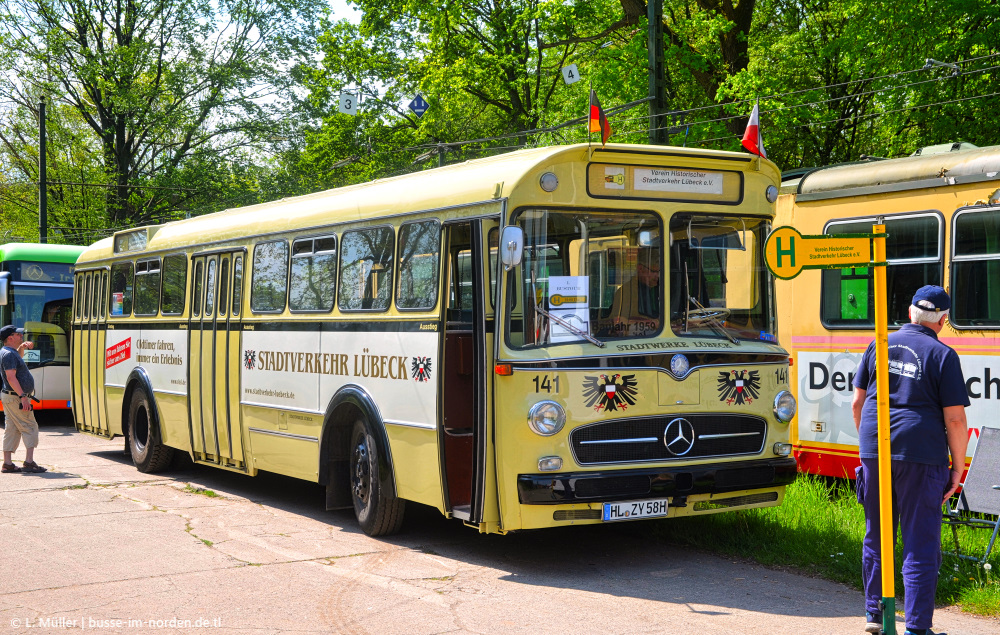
<point>679,436</point>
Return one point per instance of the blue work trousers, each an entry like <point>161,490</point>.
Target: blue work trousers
<point>917,490</point>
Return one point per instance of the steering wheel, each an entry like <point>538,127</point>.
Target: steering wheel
<point>699,317</point>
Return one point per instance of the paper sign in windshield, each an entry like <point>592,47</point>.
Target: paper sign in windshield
<point>569,302</point>
<point>677,180</point>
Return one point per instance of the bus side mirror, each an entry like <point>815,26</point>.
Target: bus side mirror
<point>511,247</point>
<point>4,287</point>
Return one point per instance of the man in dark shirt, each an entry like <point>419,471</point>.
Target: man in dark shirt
<point>17,386</point>
<point>927,401</point>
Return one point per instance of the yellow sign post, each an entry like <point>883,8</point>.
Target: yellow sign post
<point>787,253</point>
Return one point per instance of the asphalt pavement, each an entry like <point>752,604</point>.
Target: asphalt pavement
<point>94,545</point>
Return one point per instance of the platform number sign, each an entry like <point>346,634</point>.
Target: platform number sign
<point>570,74</point>
<point>419,105</point>
<point>348,104</point>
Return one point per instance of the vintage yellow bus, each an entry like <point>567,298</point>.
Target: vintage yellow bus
<point>475,338</point>
<point>942,217</point>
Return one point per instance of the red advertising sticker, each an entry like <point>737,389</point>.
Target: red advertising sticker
<point>118,353</point>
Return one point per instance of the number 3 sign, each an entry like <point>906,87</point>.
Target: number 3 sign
<point>348,104</point>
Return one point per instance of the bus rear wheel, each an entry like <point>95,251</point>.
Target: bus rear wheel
<point>377,513</point>
<point>148,454</point>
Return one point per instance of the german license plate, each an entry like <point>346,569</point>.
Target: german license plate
<point>629,510</point>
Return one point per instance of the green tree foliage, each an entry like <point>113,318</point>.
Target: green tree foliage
<point>159,94</point>
<point>489,69</point>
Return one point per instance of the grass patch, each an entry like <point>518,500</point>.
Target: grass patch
<point>198,490</point>
<point>819,528</point>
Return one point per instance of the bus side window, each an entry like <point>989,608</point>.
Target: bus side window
<point>196,291</point>
<point>366,269</point>
<point>174,283</point>
<point>419,255</point>
<point>314,274</point>
<point>121,289</point>
<point>210,290</point>
<point>269,282</point>
<point>975,268</point>
<point>147,287</point>
<point>237,284</point>
<point>104,287</point>
<point>78,296</point>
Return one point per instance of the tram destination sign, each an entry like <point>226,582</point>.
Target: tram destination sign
<point>787,252</point>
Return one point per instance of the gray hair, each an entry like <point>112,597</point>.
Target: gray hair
<point>920,316</point>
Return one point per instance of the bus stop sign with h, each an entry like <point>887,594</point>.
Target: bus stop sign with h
<point>787,253</point>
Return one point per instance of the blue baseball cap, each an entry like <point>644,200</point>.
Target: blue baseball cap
<point>9,330</point>
<point>931,298</point>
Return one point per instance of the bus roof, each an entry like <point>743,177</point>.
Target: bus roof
<point>908,173</point>
<point>474,181</point>
<point>41,252</point>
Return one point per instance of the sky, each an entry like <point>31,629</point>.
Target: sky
<point>342,9</point>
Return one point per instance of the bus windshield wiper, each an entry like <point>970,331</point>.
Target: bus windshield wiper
<point>569,327</point>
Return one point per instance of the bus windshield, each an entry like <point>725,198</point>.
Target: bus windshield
<point>719,286</point>
<point>46,314</point>
<point>586,276</point>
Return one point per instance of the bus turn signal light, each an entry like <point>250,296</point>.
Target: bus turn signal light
<point>504,370</point>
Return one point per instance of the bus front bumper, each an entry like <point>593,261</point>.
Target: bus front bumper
<point>658,482</point>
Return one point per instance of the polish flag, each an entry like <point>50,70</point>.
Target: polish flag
<point>752,139</point>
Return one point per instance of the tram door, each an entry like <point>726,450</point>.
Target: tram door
<point>214,331</point>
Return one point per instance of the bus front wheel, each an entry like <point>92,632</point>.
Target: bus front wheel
<point>148,454</point>
<point>377,512</point>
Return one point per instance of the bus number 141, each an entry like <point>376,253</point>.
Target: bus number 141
<point>781,375</point>
<point>543,383</point>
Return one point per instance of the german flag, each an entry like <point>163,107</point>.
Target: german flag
<point>598,121</point>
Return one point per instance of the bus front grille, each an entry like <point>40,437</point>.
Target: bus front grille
<point>673,438</point>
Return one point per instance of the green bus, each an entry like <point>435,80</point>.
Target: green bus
<point>36,293</point>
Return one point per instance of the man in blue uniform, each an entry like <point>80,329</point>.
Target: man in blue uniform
<point>927,401</point>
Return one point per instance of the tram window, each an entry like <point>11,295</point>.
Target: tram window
<point>366,269</point>
<point>269,284</point>
<point>314,274</point>
<point>419,256</point>
<point>913,251</point>
<point>975,269</point>
<point>147,287</point>
<point>174,283</point>
<point>121,289</point>
<point>237,284</point>
<point>99,280</point>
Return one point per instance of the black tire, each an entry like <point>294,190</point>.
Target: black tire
<point>377,513</point>
<point>148,453</point>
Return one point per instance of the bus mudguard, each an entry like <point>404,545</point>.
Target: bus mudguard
<point>334,442</point>
<point>139,380</point>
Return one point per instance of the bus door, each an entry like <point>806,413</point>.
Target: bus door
<point>214,331</point>
<point>466,396</point>
<point>89,399</point>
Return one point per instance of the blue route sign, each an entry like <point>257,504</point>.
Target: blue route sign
<point>419,105</point>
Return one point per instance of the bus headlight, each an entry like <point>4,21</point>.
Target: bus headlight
<point>771,194</point>
<point>546,418</point>
<point>784,406</point>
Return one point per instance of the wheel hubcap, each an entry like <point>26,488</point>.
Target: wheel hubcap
<point>361,474</point>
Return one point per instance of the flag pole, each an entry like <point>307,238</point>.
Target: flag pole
<point>760,129</point>
<point>589,105</point>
